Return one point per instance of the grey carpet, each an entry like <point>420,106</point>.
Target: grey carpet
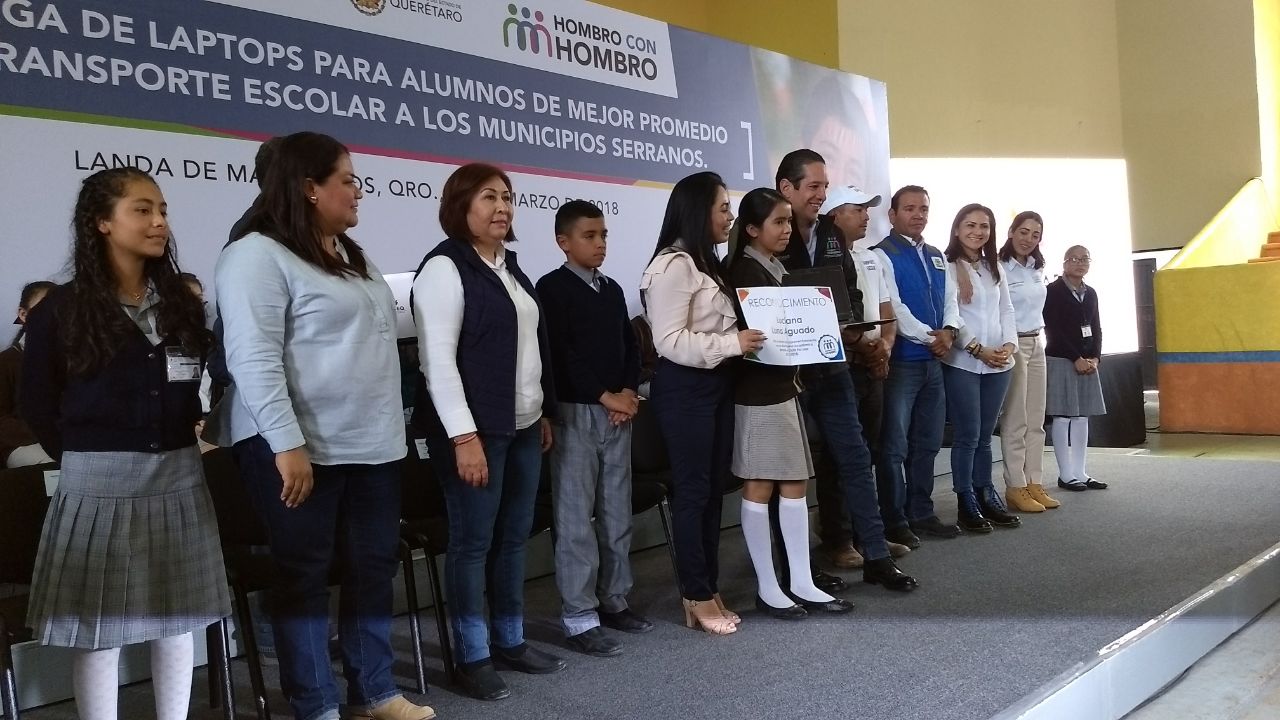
<point>997,615</point>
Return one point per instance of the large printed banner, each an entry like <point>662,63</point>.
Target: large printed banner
<point>574,99</point>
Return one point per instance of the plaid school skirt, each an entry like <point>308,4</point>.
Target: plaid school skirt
<point>129,552</point>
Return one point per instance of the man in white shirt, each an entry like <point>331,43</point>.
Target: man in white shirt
<point>848,208</point>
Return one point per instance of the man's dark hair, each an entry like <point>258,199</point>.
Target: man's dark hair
<point>793,164</point>
<point>573,211</point>
<point>903,191</point>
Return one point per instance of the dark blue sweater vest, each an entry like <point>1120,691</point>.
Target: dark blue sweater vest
<point>486,345</point>
<point>924,295</point>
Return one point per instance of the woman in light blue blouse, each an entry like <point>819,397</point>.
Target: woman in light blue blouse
<point>315,415</point>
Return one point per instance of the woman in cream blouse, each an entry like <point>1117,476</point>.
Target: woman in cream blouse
<point>690,309</point>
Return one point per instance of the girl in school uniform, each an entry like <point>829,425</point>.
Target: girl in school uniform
<point>771,449</point>
<point>110,386</point>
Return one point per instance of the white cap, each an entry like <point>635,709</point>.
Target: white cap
<point>845,195</point>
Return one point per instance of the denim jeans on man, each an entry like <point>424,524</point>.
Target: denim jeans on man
<point>829,399</point>
<point>914,415</point>
<point>973,404</point>
<point>353,512</point>
<point>488,530</point>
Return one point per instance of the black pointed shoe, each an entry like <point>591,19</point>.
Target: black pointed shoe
<point>835,606</point>
<point>902,535</point>
<point>1073,486</point>
<point>1095,484</point>
<point>883,571</point>
<point>969,514</point>
<point>994,510</point>
<point>794,612</point>
<point>626,620</point>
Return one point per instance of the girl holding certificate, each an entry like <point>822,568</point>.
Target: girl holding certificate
<point>771,449</point>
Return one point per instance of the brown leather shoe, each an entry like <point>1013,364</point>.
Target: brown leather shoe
<point>1019,499</point>
<point>396,708</point>
<point>844,556</point>
<point>1037,492</point>
<point>897,550</point>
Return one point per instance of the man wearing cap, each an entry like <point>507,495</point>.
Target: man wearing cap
<point>828,395</point>
<point>924,302</point>
<point>847,208</point>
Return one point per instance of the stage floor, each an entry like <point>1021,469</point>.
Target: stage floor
<point>996,616</point>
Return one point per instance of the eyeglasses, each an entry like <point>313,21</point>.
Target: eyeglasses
<point>1080,260</point>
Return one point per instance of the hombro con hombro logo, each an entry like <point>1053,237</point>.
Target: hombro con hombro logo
<point>586,44</point>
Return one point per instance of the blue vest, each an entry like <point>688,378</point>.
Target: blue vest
<point>923,293</point>
<point>486,345</point>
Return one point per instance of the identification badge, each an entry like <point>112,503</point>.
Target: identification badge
<point>937,262</point>
<point>870,265</point>
<point>1086,331</point>
<point>421,445</point>
<point>51,478</point>
<point>181,366</point>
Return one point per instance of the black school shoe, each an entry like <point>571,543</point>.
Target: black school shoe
<point>1073,486</point>
<point>626,620</point>
<point>481,681</point>
<point>527,659</point>
<point>594,642</point>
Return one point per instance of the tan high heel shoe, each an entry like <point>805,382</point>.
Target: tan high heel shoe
<point>731,615</point>
<point>704,615</point>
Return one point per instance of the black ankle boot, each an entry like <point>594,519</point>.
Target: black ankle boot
<point>993,508</point>
<point>969,514</point>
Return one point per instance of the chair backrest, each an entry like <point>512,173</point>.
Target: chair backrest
<point>238,522</point>
<point>648,449</point>
<point>421,497</point>
<point>22,512</point>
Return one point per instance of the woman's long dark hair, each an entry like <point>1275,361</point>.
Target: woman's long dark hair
<point>283,213</point>
<point>955,249</point>
<point>92,325</point>
<point>688,219</point>
<point>1007,251</point>
<point>754,210</point>
<point>29,292</point>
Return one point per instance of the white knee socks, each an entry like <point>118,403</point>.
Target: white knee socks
<point>755,529</point>
<point>171,662</point>
<point>1079,446</point>
<point>1070,444</point>
<point>96,678</point>
<point>793,516</point>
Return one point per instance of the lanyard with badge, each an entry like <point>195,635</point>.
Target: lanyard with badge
<point>181,366</point>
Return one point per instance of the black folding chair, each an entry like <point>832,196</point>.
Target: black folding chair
<point>21,524</point>
<point>651,469</point>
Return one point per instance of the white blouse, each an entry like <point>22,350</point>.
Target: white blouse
<point>1027,289</point>
<point>987,318</point>
<point>437,311</point>
<point>693,322</point>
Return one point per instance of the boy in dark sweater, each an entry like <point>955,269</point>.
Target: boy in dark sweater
<point>596,363</point>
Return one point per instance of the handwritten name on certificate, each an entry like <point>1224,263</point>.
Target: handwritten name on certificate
<point>800,323</point>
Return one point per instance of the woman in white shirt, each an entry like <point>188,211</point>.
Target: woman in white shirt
<point>1022,421</point>
<point>690,308</point>
<point>309,327</point>
<point>976,370</point>
<point>482,342</point>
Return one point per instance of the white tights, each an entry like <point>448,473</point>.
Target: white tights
<point>1070,443</point>
<point>96,678</point>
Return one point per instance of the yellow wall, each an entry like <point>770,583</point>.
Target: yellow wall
<point>806,29</point>
<point>991,78</point>
<point>1187,76</point>
<point>1266,17</point>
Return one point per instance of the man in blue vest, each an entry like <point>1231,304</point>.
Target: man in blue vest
<point>924,302</point>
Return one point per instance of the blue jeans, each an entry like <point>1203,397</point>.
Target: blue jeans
<point>973,404</point>
<point>488,530</point>
<point>914,414</point>
<point>353,512</point>
<point>830,399</point>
